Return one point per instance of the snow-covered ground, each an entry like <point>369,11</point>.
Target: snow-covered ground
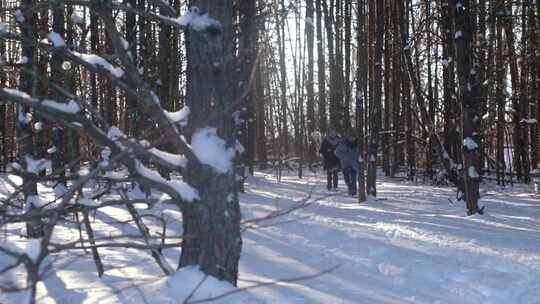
<point>413,246</point>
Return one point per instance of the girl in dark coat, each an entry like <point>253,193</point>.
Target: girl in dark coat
<point>330,161</point>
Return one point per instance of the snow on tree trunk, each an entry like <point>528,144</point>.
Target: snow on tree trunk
<point>212,226</point>
<point>34,226</point>
<point>466,88</point>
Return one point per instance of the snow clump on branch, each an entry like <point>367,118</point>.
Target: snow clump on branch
<point>181,117</point>
<point>56,39</point>
<point>470,144</point>
<point>101,62</point>
<point>197,21</point>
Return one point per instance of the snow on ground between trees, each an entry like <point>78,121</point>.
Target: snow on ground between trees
<point>413,247</point>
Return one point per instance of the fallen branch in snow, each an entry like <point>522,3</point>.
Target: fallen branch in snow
<point>195,289</point>
<point>303,203</point>
<point>132,245</point>
<point>253,223</point>
<point>260,284</point>
<point>95,253</point>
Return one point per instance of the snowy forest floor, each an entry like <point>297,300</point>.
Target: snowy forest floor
<point>413,246</point>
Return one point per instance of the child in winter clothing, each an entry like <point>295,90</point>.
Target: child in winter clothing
<point>347,153</point>
<point>330,161</point>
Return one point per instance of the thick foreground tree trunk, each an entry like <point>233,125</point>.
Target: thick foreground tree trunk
<point>212,237</point>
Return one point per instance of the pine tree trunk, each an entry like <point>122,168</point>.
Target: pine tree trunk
<point>109,100</point>
<point>535,95</point>
<point>523,108</point>
<point>322,102</point>
<point>329,23</point>
<point>407,106</point>
<point>164,74</point>
<point>385,142</point>
<point>42,138</point>
<point>514,76</point>
<point>310,89</point>
<point>248,52</point>
<point>347,80</point>
<point>397,155</point>
<point>132,114</point>
<point>261,116</point>
<point>94,47</point>
<point>339,86</point>
<point>501,101</point>
<point>376,104</point>
<point>71,78</point>
<point>212,237</point>
<point>284,132</point>
<point>483,88</point>
<point>57,76</point>
<point>449,86</point>
<point>431,104</point>
<point>361,88</point>
<point>465,32</point>
<point>28,84</point>
<point>298,101</point>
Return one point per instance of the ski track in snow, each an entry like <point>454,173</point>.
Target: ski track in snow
<point>413,246</point>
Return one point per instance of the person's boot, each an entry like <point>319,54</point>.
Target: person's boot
<point>328,183</point>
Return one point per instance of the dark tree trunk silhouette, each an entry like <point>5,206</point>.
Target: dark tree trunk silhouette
<point>212,237</point>
<point>376,110</point>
